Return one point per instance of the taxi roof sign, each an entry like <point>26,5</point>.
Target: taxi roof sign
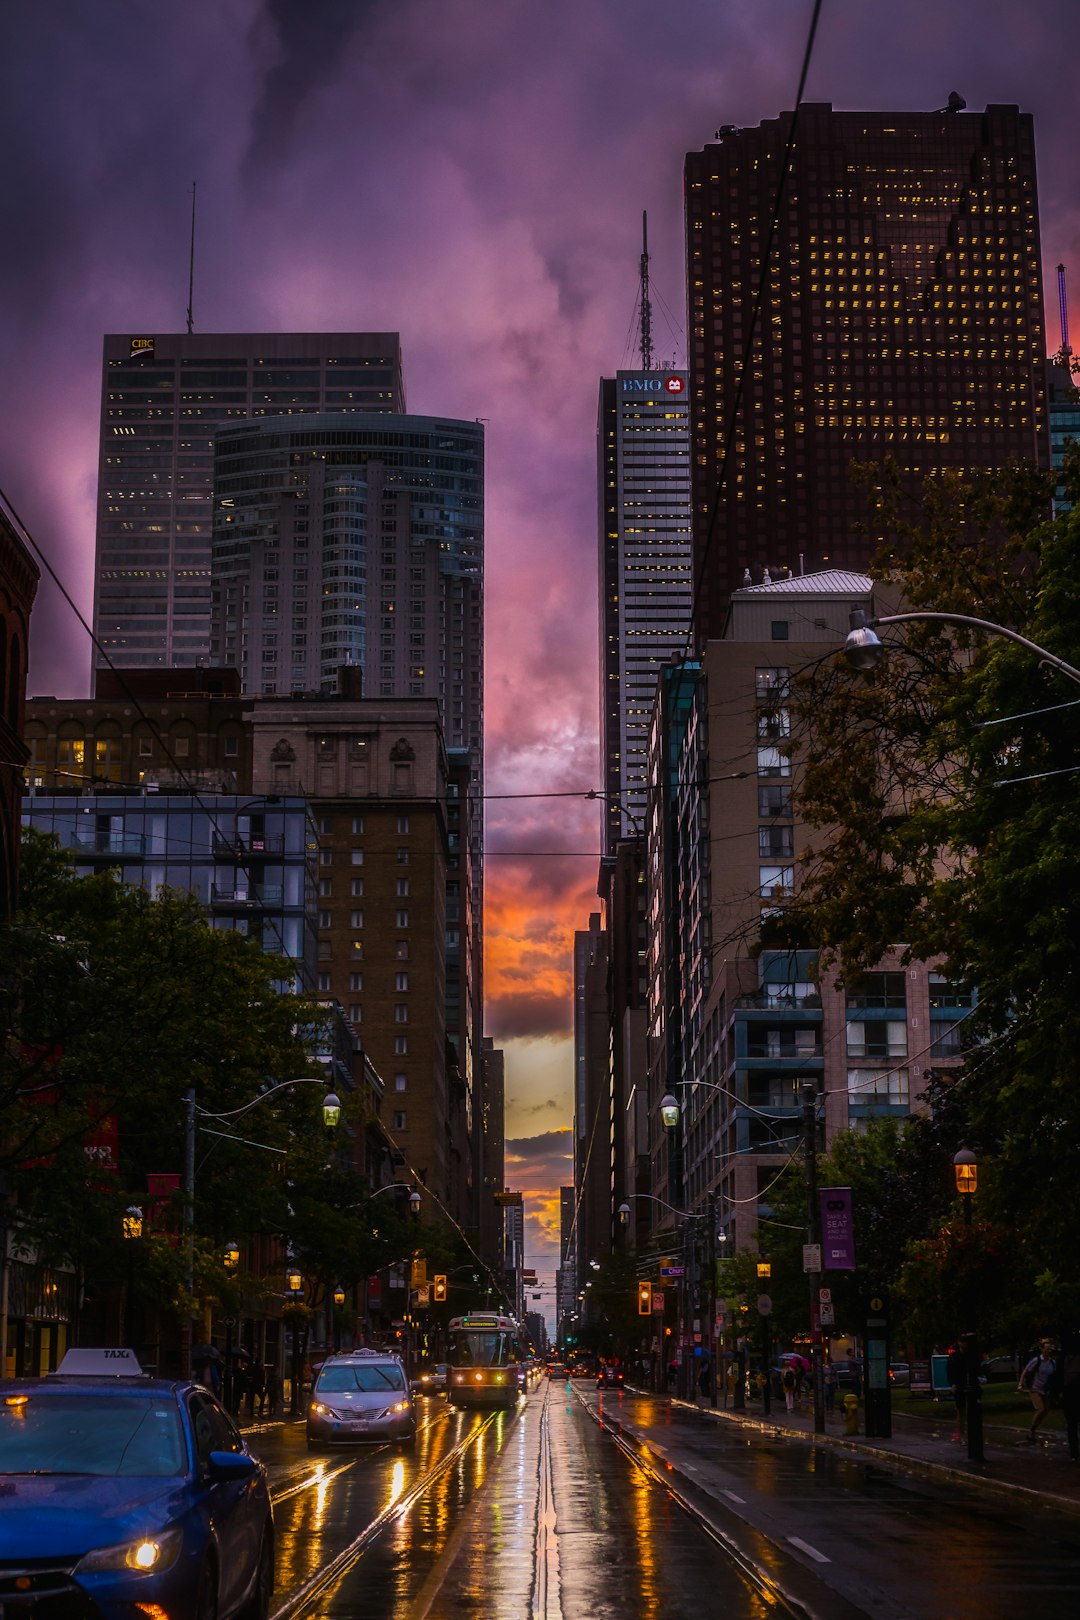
<point>107,1363</point>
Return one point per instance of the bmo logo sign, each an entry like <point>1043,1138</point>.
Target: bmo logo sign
<point>649,384</point>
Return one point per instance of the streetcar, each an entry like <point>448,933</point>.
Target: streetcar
<point>487,1360</point>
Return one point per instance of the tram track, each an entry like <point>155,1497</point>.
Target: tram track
<point>640,1454</point>
<point>305,1596</point>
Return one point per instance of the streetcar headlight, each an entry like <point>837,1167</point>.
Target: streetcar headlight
<point>500,1378</point>
<point>479,1377</point>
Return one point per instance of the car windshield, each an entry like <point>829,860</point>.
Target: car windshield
<point>123,1438</point>
<point>338,1380</point>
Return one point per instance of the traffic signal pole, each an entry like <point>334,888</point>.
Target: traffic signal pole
<point>813,1238</point>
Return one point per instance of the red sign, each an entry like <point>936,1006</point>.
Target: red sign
<point>374,1293</point>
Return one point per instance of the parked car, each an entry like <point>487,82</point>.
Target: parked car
<point>125,1493</point>
<point>900,1373</point>
<point>361,1396</point>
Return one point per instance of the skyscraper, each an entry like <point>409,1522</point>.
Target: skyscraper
<point>161,399</point>
<point>353,540</point>
<point>901,316</point>
<point>643,442</point>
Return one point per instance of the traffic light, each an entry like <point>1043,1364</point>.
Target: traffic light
<point>440,1288</point>
<point>644,1299</point>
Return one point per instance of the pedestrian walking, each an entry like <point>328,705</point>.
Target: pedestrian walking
<point>257,1389</point>
<point>1038,1378</point>
<point>788,1380</point>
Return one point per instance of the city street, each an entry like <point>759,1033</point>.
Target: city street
<point>577,1505</point>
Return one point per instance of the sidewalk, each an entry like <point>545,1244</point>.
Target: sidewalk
<point>1041,1473</point>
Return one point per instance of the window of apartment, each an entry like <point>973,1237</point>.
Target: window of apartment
<point>324,919</point>
<point>877,1038</point>
<point>771,685</point>
<point>325,887</point>
<point>776,843</point>
<point>402,888</point>
<point>771,762</point>
<point>877,1085</point>
<point>356,919</point>
<point>401,981</point>
<point>326,857</point>
<point>401,950</point>
<point>400,1083</point>
<point>403,857</point>
<point>401,1045</point>
<point>356,1013</point>
<point>401,919</point>
<point>876,990</point>
<point>774,801</point>
<point>324,981</point>
<point>776,880</point>
<point>326,824</point>
<point>401,1012</point>
<point>943,994</point>
<point>780,630</point>
<point>357,857</point>
<point>402,824</point>
<point>146,747</point>
<point>357,824</point>
<point>357,886</point>
<point>232,747</point>
<point>358,950</point>
<point>356,981</point>
<point>400,1120</point>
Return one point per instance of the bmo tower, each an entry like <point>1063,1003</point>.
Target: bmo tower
<point>646,588</point>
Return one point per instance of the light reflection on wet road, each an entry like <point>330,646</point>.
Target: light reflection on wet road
<point>539,1513</point>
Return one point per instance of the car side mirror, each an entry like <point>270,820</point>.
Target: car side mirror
<point>224,1465</point>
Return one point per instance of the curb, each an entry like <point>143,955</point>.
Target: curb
<point>902,1462</point>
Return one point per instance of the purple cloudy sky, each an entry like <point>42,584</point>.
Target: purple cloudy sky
<point>472,174</point>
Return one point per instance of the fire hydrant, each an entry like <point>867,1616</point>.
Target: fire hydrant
<point>851,1414</point>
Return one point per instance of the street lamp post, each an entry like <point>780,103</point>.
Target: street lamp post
<point>133,1230</point>
<point>294,1288</point>
<point>331,1110</point>
<point>966,1172</point>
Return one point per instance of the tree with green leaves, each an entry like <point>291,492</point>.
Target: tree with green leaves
<point>944,789</point>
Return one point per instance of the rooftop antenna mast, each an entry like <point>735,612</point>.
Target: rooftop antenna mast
<point>1063,304</point>
<point>646,304</point>
<point>191,267</point>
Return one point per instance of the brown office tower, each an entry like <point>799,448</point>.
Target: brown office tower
<point>901,316</point>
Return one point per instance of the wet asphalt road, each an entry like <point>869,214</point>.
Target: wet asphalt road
<point>545,1512</point>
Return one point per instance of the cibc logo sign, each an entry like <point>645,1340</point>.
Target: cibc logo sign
<point>658,384</point>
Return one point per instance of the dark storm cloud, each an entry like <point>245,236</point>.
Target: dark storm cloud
<point>304,45</point>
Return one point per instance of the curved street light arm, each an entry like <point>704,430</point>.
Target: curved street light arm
<point>865,624</point>
<point>282,1085</point>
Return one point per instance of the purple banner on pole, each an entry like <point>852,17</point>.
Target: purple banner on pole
<point>837,1229</point>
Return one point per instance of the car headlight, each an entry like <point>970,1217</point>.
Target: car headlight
<point>317,1409</point>
<point>149,1555</point>
<point>398,1406</point>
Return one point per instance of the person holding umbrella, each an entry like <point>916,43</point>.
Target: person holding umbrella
<point>206,1367</point>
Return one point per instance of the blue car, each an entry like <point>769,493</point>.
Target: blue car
<point>123,1495</point>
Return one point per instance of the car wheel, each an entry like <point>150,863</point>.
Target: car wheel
<point>409,1442</point>
<point>257,1606</point>
<point>206,1596</point>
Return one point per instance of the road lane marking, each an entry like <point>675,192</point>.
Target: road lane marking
<point>804,1546</point>
<point>733,1498</point>
<point>546,1596</point>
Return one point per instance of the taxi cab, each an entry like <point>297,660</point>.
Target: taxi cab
<point>123,1495</point>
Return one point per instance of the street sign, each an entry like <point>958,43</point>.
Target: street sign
<point>811,1256</point>
<point>658,1300</point>
<point>764,1305</point>
<point>673,1271</point>
<point>825,1295</point>
<point>827,1315</point>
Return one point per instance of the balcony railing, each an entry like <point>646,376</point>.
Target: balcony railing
<point>108,845</point>
<point>264,896</point>
<point>238,849</point>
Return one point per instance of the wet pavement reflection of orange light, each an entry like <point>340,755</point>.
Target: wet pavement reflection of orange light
<point>397,1482</point>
